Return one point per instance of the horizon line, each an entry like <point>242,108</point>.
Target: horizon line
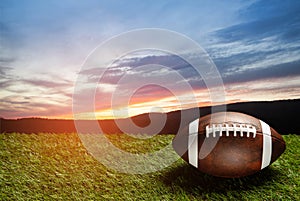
<point>132,116</point>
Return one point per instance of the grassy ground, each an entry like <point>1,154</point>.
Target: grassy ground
<point>57,167</point>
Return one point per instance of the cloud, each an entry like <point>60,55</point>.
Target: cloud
<point>262,19</point>
<point>3,70</point>
<point>265,89</point>
<point>265,45</point>
<point>45,83</point>
<point>17,107</point>
<point>254,61</point>
<point>147,66</point>
<point>276,71</point>
<point>4,73</point>
<point>21,97</point>
<point>263,9</point>
<point>13,83</point>
<point>5,77</point>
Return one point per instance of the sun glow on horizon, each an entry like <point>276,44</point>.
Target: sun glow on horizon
<point>234,93</point>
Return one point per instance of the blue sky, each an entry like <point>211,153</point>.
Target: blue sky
<point>43,44</point>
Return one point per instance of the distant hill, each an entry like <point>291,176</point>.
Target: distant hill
<point>281,115</point>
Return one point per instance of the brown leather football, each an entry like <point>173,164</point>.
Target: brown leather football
<point>229,144</point>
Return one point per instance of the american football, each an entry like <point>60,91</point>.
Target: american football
<point>228,144</point>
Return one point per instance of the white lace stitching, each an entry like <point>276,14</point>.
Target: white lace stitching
<point>221,129</point>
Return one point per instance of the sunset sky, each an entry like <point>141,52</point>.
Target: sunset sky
<point>255,46</point>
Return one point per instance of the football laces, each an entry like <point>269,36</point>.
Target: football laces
<point>235,128</point>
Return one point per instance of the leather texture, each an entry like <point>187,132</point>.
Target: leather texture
<point>230,156</point>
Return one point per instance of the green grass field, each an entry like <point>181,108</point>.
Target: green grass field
<point>57,167</point>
